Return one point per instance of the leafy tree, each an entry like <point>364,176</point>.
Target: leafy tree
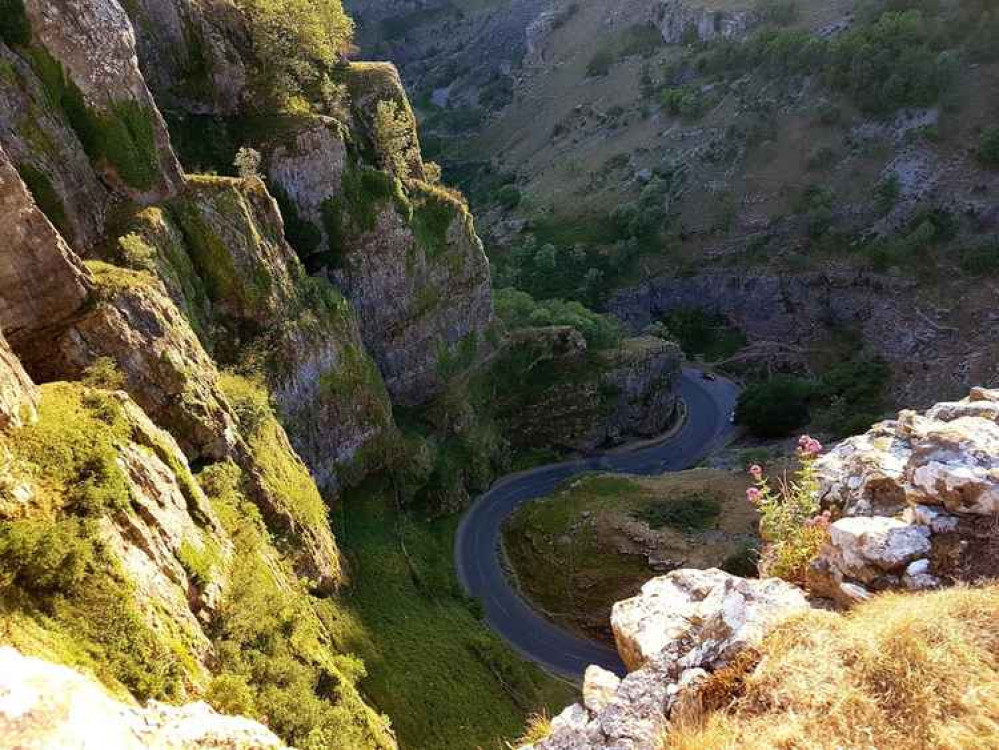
<point>776,407</point>
<point>394,129</point>
<point>988,147</point>
<point>247,163</point>
<point>509,197</point>
<point>294,43</point>
<point>519,310</point>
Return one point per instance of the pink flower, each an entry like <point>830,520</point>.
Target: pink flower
<point>754,495</point>
<point>756,471</point>
<point>809,446</point>
<point>821,521</point>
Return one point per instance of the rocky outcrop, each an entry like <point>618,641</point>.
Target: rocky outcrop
<point>94,43</point>
<point>163,365</point>
<point>404,253</point>
<point>679,22</point>
<point>221,250</point>
<point>417,296</point>
<point>722,614</point>
<point>191,54</point>
<point>172,523</point>
<point>18,395</point>
<point>42,282</point>
<point>930,352</point>
<point>916,498</point>
<point>577,399</point>
<point>679,629</point>
<point>43,705</point>
<point>40,141</point>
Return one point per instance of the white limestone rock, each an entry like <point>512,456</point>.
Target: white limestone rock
<point>43,705</point>
<point>700,618</point>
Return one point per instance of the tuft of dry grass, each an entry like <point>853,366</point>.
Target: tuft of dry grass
<point>539,727</point>
<point>901,672</point>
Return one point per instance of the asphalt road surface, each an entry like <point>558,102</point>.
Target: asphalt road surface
<point>477,550</point>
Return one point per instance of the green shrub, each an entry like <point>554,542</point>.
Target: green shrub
<point>15,29</point>
<point>105,374</point>
<point>47,198</point>
<point>980,260</point>
<point>73,445</point>
<point>519,310</point>
<point>508,197</point>
<point>127,138</point>
<point>294,43</point>
<point>688,513</point>
<point>886,194</point>
<point>775,408</point>
<point>600,64</point>
<point>792,531</point>
<point>432,217</point>
<point>850,396</point>
<point>685,101</point>
<point>988,147</point>
<point>892,63</point>
<point>704,334</point>
<point>44,557</point>
<point>743,561</point>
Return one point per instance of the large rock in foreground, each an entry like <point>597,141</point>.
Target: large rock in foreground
<point>700,618</point>
<point>681,627</point>
<point>917,498</point>
<point>47,706</point>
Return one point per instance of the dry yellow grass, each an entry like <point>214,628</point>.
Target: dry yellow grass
<point>903,672</point>
<point>539,727</point>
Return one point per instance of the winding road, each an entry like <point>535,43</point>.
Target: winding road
<point>477,549</point>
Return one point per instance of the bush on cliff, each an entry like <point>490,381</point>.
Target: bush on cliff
<point>295,42</point>
<point>519,310</point>
<point>775,408</point>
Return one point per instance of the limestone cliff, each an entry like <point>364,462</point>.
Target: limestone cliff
<point>43,281</point>
<point>353,190</point>
<point>931,352</point>
<point>681,21</point>
<point>553,391</point>
<point>18,395</point>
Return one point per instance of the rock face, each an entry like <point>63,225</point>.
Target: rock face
<point>410,262</point>
<point>95,44</point>
<point>782,315</point>
<point>916,496</point>
<point>42,282</point>
<point>416,302</point>
<point>189,54</point>
<point>46,706</point>
<point>49,152</point>
<point>585,399</point>
<point>18,395</point>
<point>221,251</point>
<point>681,627</point>
<point>679,22</point>
<point>720,613</point>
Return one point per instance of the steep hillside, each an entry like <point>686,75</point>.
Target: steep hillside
<point>807,171</point>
